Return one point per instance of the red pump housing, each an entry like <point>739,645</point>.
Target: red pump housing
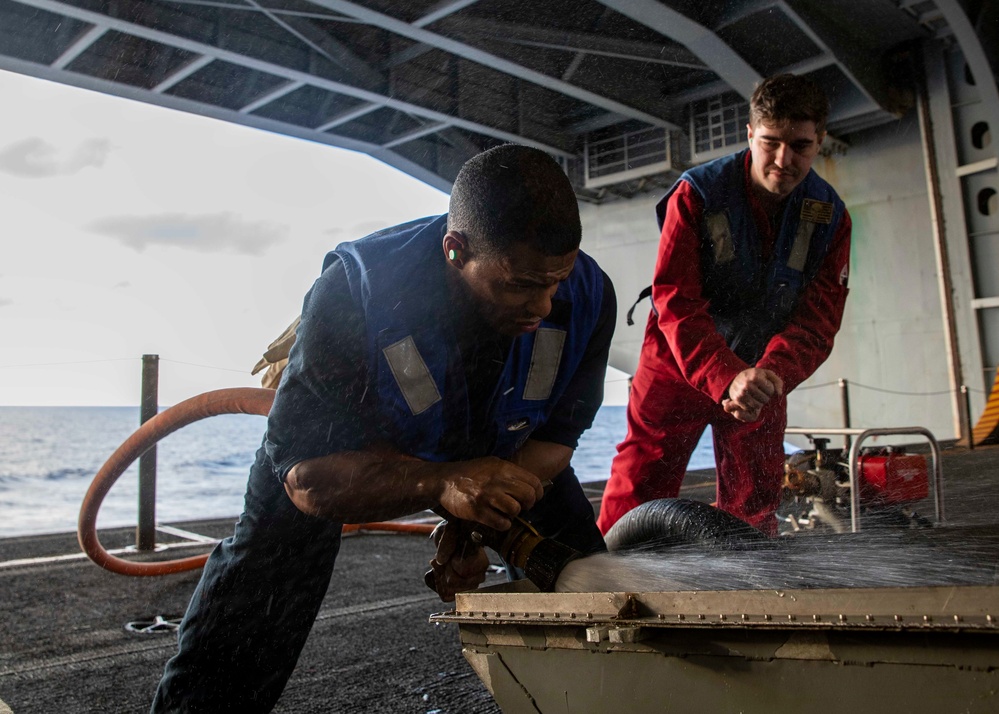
<point>889,475</point>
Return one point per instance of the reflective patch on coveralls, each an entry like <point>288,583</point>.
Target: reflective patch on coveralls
<point>813,212</point>
<point>412,375</point>
<point>545,360</point>
<point>802,242</point>
<point>720,233</point>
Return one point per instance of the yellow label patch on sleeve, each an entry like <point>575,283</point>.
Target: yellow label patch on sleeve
<point>816,211</point>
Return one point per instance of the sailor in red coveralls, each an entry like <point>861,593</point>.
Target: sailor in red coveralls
<point>748,295</point>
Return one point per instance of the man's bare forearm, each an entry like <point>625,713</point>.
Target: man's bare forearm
<point>363,486</point>
<point>360,486</point>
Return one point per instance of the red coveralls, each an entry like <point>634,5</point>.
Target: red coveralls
<point>685,369</point>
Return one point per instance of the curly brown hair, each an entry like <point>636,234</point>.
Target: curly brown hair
<point>789,97</point>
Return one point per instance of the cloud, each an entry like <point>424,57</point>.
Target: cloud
<point>4,302</point>
<point>358,230</point>
<point>206,233</point>
<point>123,284</point>
<point>36,158</point>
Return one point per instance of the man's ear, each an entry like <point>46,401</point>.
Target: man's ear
<point>455,247</point>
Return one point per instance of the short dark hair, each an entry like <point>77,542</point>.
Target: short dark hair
<point>515,194</point>
<point>789,97</point>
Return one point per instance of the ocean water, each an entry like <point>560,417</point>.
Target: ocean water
<point>49,456</point>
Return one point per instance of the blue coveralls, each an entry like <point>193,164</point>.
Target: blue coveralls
<point>262,588</point>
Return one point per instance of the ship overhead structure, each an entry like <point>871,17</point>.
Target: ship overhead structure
<point>627,94</point>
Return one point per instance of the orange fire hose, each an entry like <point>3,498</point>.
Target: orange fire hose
<point>239,400</point>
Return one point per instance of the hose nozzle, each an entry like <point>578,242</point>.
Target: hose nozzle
<point>541,559</point>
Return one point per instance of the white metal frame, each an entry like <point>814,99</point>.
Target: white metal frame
<point>862,435</point>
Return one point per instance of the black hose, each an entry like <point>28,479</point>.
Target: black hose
<point>669,522</point>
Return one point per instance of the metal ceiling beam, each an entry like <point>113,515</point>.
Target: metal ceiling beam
<point>931,16</point>
<point>596,53</point>
<point>701,91</point>
<point>271,96</point>
<point>573,67</point>
<point>836,52</point>
<point>459,141</point>
<point>348,116</point>
<point>577,59</point>
<point>415,134</point>
<point>713,89</point>
<point>191,107</point>
<point>573,41</point>
<point>741,12</point>
<point>81,45</point>
<point>474,54</point>
<point>443,10</point>
<point>325,45</point>
<point>233,7</point>
<point>293,75</point>
<point>957,19</point>
<point>407,55</point>
<point>183,73</point>
<point>705,44</point>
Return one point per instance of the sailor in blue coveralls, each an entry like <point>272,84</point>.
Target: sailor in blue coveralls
<point>451,362</point>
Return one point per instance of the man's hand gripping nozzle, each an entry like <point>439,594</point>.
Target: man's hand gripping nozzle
<point>541,559</point>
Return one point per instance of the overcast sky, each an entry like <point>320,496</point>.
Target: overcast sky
<point>131,229</point>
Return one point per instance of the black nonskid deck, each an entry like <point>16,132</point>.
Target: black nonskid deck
<point>65,645</point>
